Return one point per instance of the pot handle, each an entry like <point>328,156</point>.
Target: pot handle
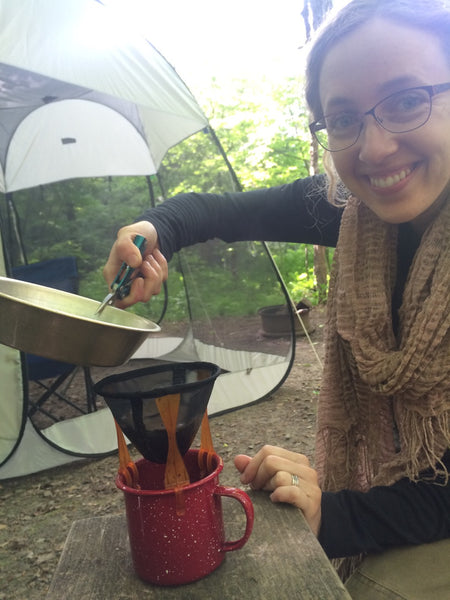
<point>247,505</point>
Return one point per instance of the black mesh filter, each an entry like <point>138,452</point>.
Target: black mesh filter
<point>131,398</point>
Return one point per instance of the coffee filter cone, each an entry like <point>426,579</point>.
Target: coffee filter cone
<point>131,397</point>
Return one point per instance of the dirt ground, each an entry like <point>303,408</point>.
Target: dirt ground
<point>36,511</point>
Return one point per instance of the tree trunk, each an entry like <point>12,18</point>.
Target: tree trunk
<point>313,14</point>
<point>320,254</point>
<point>321,273</point>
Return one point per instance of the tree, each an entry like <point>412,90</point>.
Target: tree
<point>265,136</point>
<point>313,14</point>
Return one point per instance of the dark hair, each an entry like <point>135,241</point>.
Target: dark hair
<point>427,15</point>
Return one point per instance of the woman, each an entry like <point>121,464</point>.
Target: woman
<point>379,88</point>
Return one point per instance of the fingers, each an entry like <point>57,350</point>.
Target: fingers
<point>155,271</point>
<point>124,249</point>
<point>305,480</point>
<point>152,273</point>
<point>304,496</point>
<point>275,472</point>
<point>272,469</point>
<point>241,461</point>
<point>153,268</point>
<point>267,461</point>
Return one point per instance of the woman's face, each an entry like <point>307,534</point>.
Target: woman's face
<point>398,175</point>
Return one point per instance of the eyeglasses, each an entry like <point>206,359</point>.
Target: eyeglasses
<point>398,113</point>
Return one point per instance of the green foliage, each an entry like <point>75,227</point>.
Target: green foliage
<point>264,135</point>
<point>263,130</point>
<point>296,264</point>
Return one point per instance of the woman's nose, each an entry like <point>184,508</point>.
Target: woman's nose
<point>376,143</point>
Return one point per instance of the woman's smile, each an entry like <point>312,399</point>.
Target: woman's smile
<point>391,180</point>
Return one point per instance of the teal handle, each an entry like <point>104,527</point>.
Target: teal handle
<point>122,282</point>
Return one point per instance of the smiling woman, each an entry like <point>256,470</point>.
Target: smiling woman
<point>398,163</point>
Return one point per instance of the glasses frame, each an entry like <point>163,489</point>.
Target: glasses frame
<point>432,90</point>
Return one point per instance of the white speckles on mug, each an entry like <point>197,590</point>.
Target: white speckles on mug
<point>168,548</point>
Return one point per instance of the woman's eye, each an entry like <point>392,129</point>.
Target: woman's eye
<point>409,102</point>
<point>406,104</point>
<point>341,122</point>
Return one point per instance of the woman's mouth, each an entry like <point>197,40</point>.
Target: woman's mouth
<point>387,181</point>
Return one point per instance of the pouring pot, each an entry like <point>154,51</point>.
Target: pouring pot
<point>63,326</point>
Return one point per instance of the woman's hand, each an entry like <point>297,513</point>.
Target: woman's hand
<point>277,470</point>
<point>152,268</point>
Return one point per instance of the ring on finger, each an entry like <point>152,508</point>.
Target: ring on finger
<point>294,480</point>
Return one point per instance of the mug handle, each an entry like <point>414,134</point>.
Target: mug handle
<point>244,499</point>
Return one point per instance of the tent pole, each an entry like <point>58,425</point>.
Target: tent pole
<point>239,188</point>
<point>5,237</point>
<point>232,172</point>
<point>151,191</point>
<point>14,233</point>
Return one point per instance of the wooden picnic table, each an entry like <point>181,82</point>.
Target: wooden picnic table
<point>281,561</point>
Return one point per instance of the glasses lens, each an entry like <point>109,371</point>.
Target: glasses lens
<point>342,131</point>
<point>404,111</point>
<point>322,138</point>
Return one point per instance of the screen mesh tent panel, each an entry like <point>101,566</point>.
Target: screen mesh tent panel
<point>73,108</point>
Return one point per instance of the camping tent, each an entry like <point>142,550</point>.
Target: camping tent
<point>81,96</point>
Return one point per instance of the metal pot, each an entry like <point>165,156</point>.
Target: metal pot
<point>62,326</point>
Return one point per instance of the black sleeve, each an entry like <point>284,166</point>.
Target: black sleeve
<point>296,212</point>
<point>403,513</point>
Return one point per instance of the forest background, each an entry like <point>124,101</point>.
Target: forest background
<point>263,131</point>
<point>262,126</point>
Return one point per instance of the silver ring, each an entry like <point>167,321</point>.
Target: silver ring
<point>294,480</point>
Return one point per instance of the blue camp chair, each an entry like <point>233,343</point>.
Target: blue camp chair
<point>50,375</point>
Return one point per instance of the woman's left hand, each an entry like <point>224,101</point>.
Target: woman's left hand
<point>288,476</point>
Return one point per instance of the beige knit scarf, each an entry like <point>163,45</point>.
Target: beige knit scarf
<point>385,400</point>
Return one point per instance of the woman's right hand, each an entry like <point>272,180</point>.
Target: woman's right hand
<point>152,267</point>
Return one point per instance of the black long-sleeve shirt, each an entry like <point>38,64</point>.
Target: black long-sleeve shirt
<point>352,522</point>
<point>296,212</point>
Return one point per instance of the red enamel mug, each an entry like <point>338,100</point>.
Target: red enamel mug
<point>170,546</point>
